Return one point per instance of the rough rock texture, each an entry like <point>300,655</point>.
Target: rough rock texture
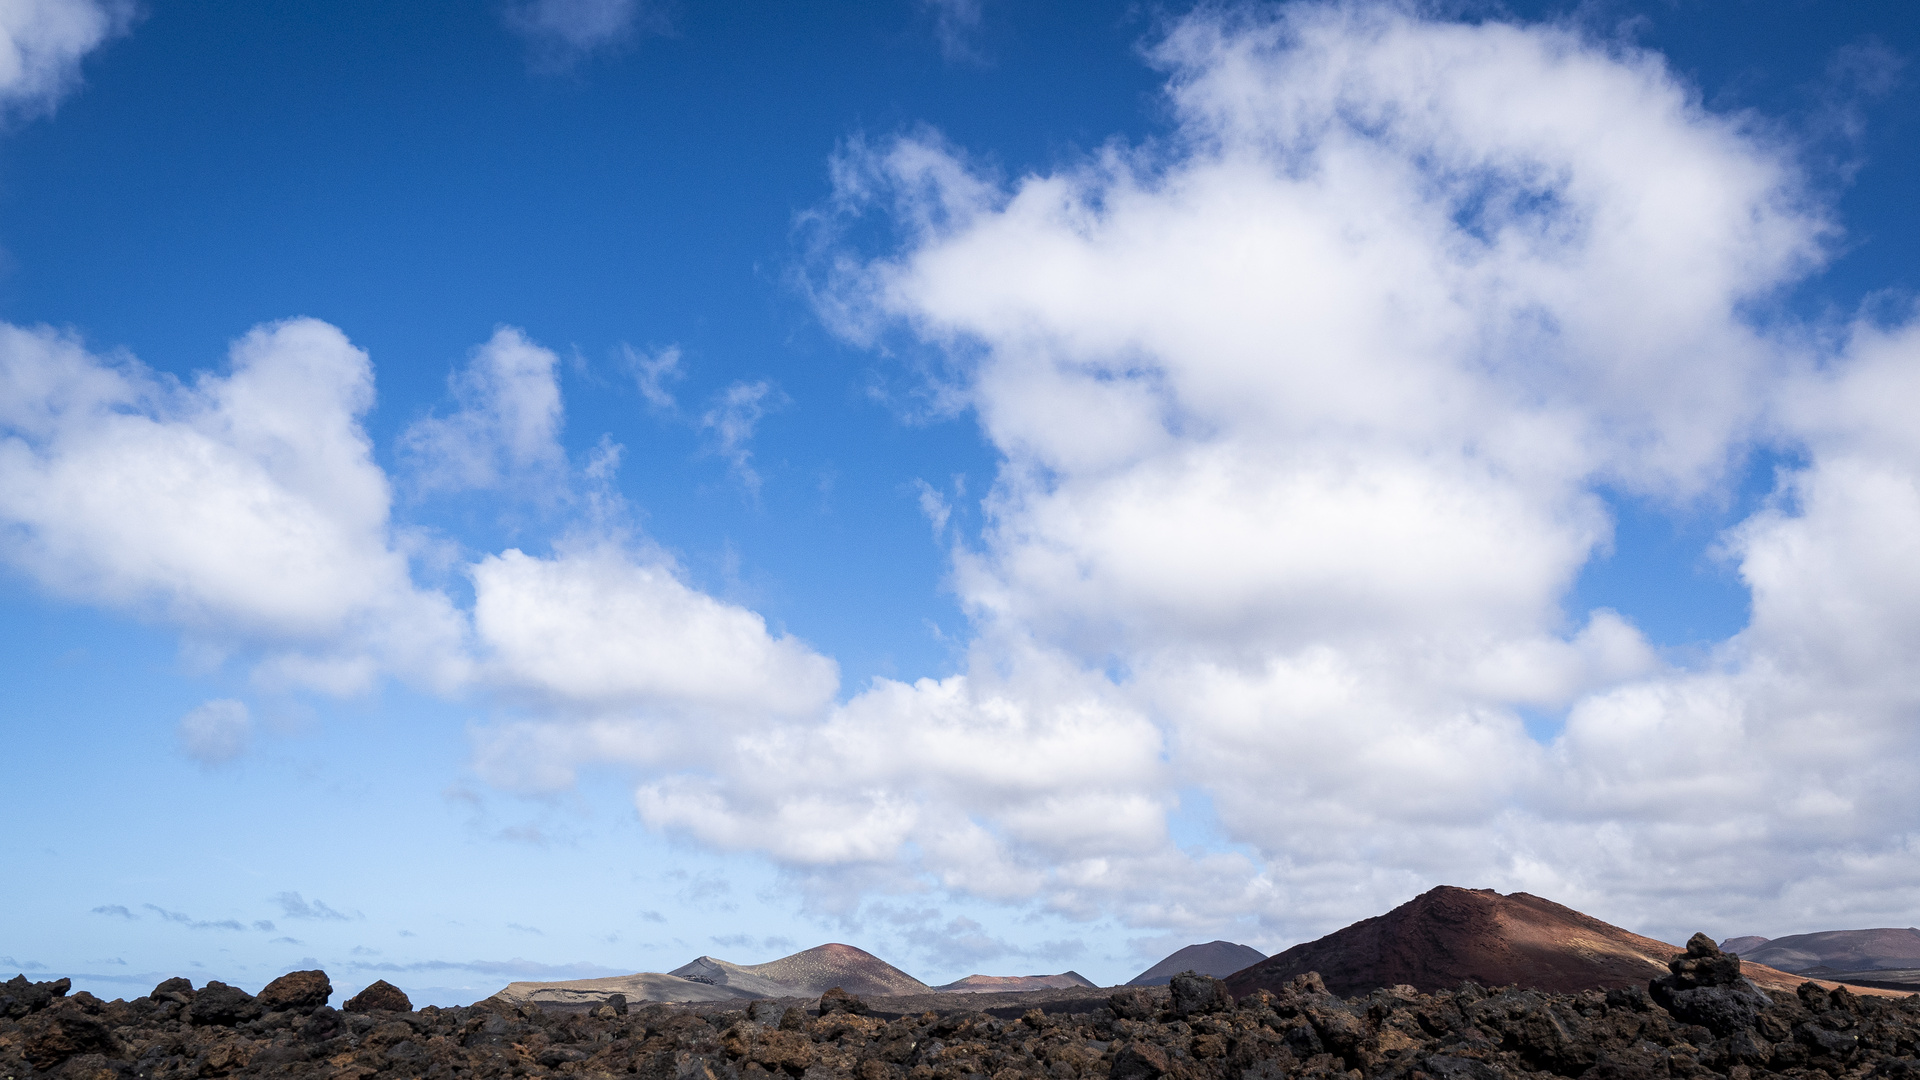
<point>382,996</point>
<point>297,990</point>
<point>1190,1030</point>
<point>1217,958</point>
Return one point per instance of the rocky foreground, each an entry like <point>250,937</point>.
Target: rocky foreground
<point>1701,1018</point>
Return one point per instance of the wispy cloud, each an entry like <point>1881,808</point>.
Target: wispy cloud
<point>115,909</point>
<point>956,25</point>
<point>216,732</point>
<point>561,33</point>
<point>192,923</point>
<point>512,968</point>
<point>732,421</point>
<point>295,906</point>
<point>652,371</point>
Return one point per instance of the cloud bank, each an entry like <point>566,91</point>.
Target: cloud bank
<point>1306,415</point>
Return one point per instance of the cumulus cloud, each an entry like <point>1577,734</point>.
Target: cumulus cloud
<point>628,662</point>
<point>216,732</point>
<point>1305,415</point>
<point>560,33</point>
<point>243,507</point>
<point>42,43</point>
<point>506,429</point>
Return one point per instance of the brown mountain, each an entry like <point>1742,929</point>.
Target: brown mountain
<point>804,974</point>
<point>1741,946</point>
<point>1447,936</point>
<point>1216,958</point>
<point>1841,950</point>
<point>997,984</point>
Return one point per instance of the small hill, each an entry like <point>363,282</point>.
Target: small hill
<point>1840,950</point>
<point>804,974</point>
<point>1216,958</point>
<point>1742,945</point>
<point>996,984</point>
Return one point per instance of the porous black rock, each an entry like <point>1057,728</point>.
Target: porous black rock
<point>1704,986</point>
<point>1293,1031</point>
<point>175,989</point>
<point>218,1003</point>
<point>382,996</point>
<point>1193,993</point>
<point>301,991</point>
<point>837,1000</point>
<point>18,996</point>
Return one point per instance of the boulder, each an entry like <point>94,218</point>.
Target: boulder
<point>302,991</point>
<point>382,996</point>
<point>837,1000</point>
<point>175,989</point>
<point>1195,993</point>
<point>222,1005</point>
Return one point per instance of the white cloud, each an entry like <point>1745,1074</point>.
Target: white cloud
<point>243,507</point>
<point>1304,414</point>
<point>42,43</point>
<point>956,23</point>
<point>732,420</point>
<point>652,371</point>
<point>507,427</point>
<point>216,732</point>
<point>562,32</point>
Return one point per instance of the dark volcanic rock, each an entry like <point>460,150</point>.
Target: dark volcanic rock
<point>1299,1031</point>
<point>1193,993</point>
<point>382,996</point>
<point>302,990</point>
<point>218,1003</point>
<point>1447,936</point>
<point>836,1000</point>
<point>18,997</point>
<point>174,989</point>
<point>1703,986</point>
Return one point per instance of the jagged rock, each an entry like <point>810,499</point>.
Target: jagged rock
<point>1703,986</point>
<point>1294,1031</point>
<point>175,989</point>
<point>64,1030</point>
<point>837,1000</point>
<point>1133,1004</point>
<point>302,990</point>
<point>617,1002</point>
<point>1139,1061</point>
<point>382,996</point>
<point>218,1003</point>
<point>18,997</point>
<point>1194,993</point>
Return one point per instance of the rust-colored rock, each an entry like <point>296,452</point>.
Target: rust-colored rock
<point>382,996</point>
<point>306,990</point>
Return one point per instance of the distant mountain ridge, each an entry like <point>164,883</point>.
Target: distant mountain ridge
<point>999,984</point>
<point>804,974</point>
<point>1839,950</point>
<point>1216,958</point>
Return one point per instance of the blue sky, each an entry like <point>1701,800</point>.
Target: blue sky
<point>552,488</point>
